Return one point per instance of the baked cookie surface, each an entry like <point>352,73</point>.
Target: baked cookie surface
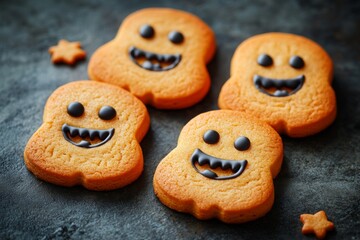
<point>90,136</point>
<point>160,56</point>
<point>283,79</point>
<point>223,167</point>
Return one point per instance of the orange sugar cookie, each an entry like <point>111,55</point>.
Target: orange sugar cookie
<point>90,136</point>
<point>222,167</point>
<point>284,80</point>
<point>160,56</point>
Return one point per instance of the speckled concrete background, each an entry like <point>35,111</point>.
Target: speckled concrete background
<point>319,172</point>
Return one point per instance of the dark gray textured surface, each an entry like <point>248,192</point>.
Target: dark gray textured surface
<point>319,172</point>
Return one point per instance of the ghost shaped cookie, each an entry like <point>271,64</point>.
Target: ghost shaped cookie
<point>160,56</point>
<point>222,167</point>
<point>89,136</point>
<point>283,79</point>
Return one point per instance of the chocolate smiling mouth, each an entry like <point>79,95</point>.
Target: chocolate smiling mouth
<point>154,61</point>
<point>199,157</point>
<point>82,137</point>
<point>279,87</point>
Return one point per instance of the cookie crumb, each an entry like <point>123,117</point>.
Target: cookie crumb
<point>67,52</point>
<point>316,223</point>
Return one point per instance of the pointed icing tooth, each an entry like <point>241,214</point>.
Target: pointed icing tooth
<point>166,57</point>
<point>294,83</point>
<point>266,83</point>
<point>214,163</point>
<point>65,128</point>
<point>103,134</point>
<point>83,133</point>
<point>226,165</point>
<point>281,93</point>
<point>83,143</point>
<point>73,132</point>
<point>278,83</point>
<point>150,56</point>
<point>195,157</point>
<point>257,79</point>
<point>93,134</point>
<point>156,66</point>
<point>169,58</point>
<point>235,166</point>
<point>160,57</point>
<point>209,174</point>
<point>202,160</point>
<point>137,53</point>
<point>147,65</point>
<point>277,93</point>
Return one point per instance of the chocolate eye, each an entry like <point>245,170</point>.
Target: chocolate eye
<point>107,113</point>
<point>242,143</point>
<point>176,37</point>
<point>75,109</point>
<point>265,60</point>
<point>211,137</point>
<point>296,62</point>
<point>147,31</point>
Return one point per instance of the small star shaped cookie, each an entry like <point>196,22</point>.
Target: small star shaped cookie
<point>317,224</point>
<point>67,52</point>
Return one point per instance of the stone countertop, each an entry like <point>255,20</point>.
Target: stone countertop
<point>320,172</point>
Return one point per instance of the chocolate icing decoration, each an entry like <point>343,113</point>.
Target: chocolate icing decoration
<point>211,137</point>
<point>154,61</point>
<point>176,37</point>
<point>265,60</point>
<point>75,109</point>
<point>242,143</point>
<point>70,131</point>
<point>107,113</point>
<point>283,87</point>
<point>147,31</point>
<point>236,166</point>
<point>296,62</point>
